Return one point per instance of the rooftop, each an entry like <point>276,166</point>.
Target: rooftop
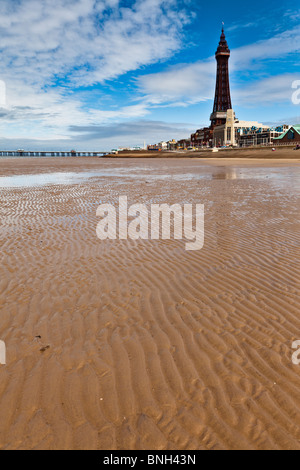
<point>296,127</point>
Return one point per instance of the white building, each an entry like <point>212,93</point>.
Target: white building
<point>228,134</point>
<point>163,145</point>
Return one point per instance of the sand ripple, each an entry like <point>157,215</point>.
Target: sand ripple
<point>151,347</point>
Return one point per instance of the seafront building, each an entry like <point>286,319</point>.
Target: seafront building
<point>236,133</point>
<point>291,135</point>
<point>163,146</point>
<point>260,136</point>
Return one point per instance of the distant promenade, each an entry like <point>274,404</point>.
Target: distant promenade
<point>23,153</point>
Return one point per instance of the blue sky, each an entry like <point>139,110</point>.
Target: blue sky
<point>98,74</point>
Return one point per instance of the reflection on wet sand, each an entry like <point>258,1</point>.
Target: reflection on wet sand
<point>225,173</point>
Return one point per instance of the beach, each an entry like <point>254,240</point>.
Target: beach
<point>140,344</point>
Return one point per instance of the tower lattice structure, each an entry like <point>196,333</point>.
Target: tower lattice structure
<point>222,94</point>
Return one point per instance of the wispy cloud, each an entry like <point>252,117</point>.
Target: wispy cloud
<point>287,120</point>
<point>51,113</point>
<point>135,129</point>
<point>88,41</point>
<point>271,90</point>
<point>238,26</point>
<point>276,47</point>
<point>186,81</point>
<point>91,137</point>
<point>50,48</point>
<point>293,15</point>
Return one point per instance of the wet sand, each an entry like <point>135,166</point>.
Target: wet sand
<point>141,344</point>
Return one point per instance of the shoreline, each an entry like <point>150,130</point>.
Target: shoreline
<point>236,153</point>
<point>267,153</point>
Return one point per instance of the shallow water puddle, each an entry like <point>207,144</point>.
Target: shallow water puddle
<point>201,172</point>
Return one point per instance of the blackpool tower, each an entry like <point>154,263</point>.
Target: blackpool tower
<point>222,95</point>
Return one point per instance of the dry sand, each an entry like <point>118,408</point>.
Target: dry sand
<point>143,345</point>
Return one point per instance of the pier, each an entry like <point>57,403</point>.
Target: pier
<point>25,153</point>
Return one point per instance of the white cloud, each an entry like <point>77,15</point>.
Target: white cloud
<point>190,82</point>
<point>51,114</point>
<point>90,41</point>
<point>292,120</point>
<point>269,91</point>
<point>97,138</point>
<point>85,41</point>
<point>276,47</point>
